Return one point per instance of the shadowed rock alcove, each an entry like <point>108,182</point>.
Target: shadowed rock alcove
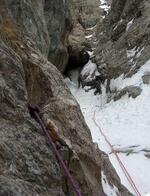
<point>77,59</point>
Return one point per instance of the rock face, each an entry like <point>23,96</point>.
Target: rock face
<point>87,12</point>
<point>123,35</point>
<point>131,91</point>
<point>59,20</point>
<point>30,16</point>
<point>55,24</point>
<point>27,165</point>
<point>86,16</point>
<point>146,78</point>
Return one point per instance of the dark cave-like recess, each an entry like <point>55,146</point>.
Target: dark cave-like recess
<point>77,59</point>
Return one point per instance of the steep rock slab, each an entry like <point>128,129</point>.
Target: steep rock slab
<point>87,12</point>
<point>59,18</point>
<point>30,17</point>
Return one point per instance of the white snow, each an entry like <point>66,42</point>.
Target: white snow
<point>91,28</point>
<point>117,24</point>
<point>139,52</point>
<point>129,24</point>
<point>136,79</point>
<point>89,71</point>
<point>90,53</point>
<point>126,123</point>
<point>104,5</point>
<point>133,54</point>
<point>108,189</point>
<point>89,36</point>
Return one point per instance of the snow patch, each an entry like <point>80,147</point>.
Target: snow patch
<point>139,52</point>
<point>136,80</point>
<point>90,53</point>
<point>129,24</point>
<point>91,28</point>
<point>137,165</point>
<point>131,53</point>
<point>89,71</point>
<point>89,36</point>
<point>134,52</point>
<point>126,124</point>
<point>117,24</point>
<point>34,55</point>
<point>107,188</point>
<point>104,5</point>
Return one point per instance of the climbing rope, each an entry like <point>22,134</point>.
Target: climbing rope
<point>128,176</point>
<point>62,164</point>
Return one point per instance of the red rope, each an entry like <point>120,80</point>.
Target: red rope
<point>62,164</point>
<point>128,176</point>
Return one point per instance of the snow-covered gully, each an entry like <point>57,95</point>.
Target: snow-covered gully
<point>125,171</point>
<point>125,123</point>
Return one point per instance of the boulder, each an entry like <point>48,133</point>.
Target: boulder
<point>146,78</point>
<point>131,91</point>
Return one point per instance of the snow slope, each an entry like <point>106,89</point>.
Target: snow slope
<point>125,122</point>
<point>104,5</point>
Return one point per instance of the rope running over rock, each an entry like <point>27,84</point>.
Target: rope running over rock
<point>62,164</point>
<point>128,176</point>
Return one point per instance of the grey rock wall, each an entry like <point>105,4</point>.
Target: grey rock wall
<point>50,22</point>
<point>122,37</point>
<point>27,164</point>
<point>30,17</point>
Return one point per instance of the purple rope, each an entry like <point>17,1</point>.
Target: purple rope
<point>59,158</point>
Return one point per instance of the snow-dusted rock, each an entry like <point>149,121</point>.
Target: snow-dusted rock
<point>130,91</point>
<point>123,37</point>
<point>146,78</point>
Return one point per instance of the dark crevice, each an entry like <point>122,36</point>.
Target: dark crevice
<point>77,59</point>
